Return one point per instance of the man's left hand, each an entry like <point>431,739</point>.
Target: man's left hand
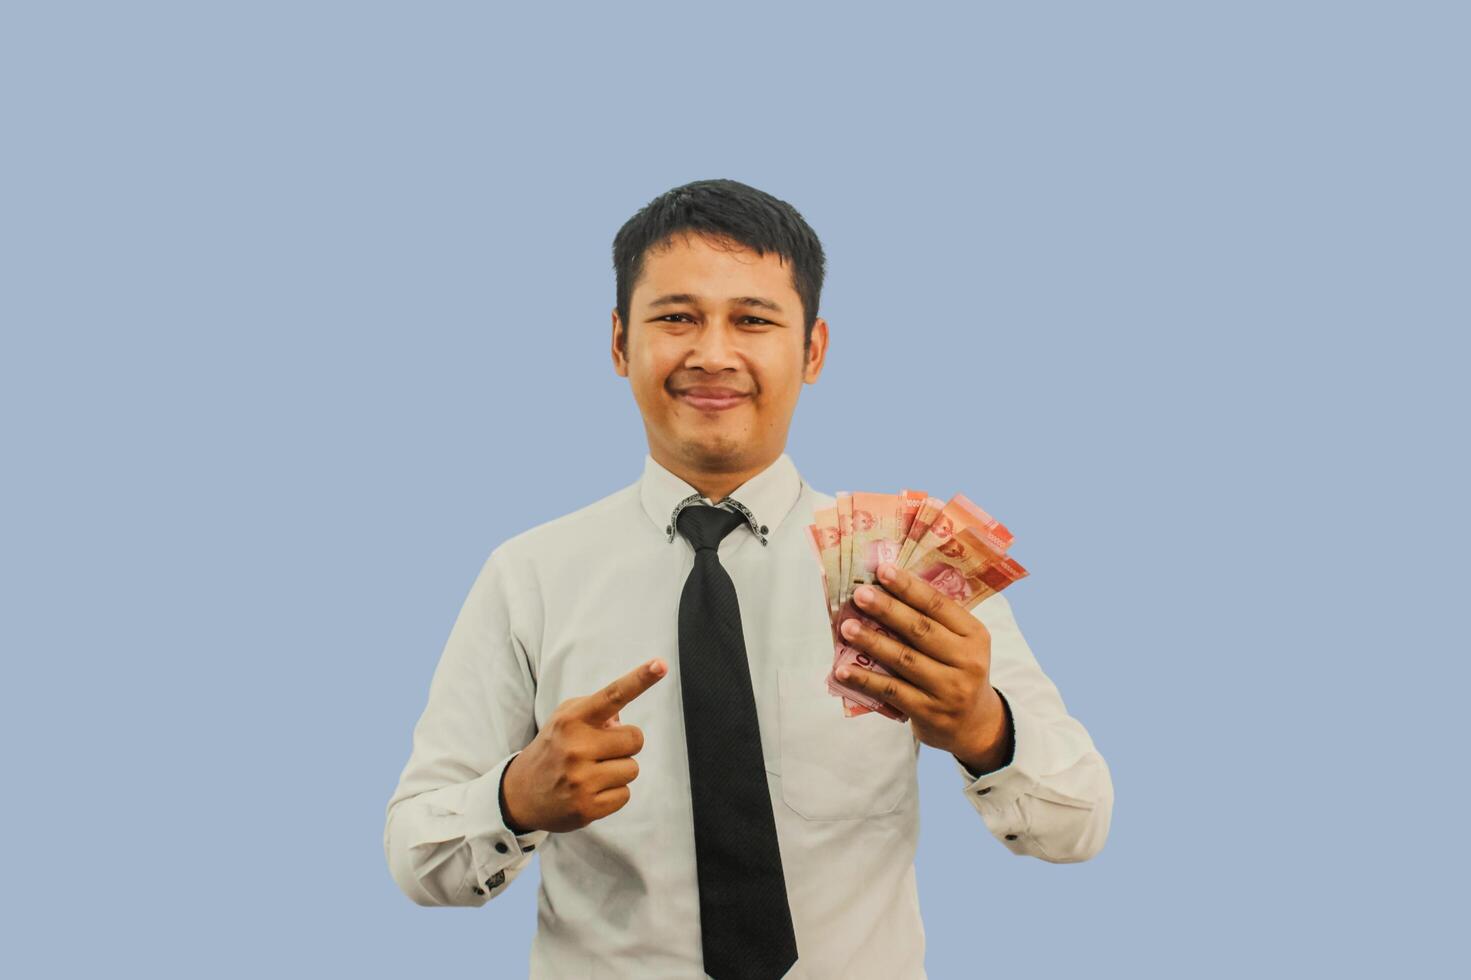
<point>941,667</point>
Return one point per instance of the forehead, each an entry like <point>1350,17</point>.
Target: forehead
<point>713,272</point>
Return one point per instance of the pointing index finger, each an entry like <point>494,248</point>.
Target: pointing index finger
<point>616,696</point>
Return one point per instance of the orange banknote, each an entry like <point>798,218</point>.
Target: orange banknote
<point>954,545</point>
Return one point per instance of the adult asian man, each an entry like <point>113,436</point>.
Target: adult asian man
<point>681,621</point>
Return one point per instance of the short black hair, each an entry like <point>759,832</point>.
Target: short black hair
<point>728,211</point>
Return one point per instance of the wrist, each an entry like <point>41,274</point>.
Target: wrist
<point>997,744</point>
<point>507,817</point>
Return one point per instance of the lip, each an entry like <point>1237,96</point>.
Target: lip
<point>712,399</point>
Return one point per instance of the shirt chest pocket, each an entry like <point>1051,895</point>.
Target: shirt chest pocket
<point>837,768</point>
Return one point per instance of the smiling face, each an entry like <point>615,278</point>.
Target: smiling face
<point>714,357</point>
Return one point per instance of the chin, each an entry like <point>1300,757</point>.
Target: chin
<point>715,454</point>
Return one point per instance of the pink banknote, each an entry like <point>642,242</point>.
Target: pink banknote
<point>954,545</point>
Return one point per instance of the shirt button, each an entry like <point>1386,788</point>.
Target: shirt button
<point>1011,836</point>
<point>983,791</point>
<point>500,845</point>
<point>763,528</point>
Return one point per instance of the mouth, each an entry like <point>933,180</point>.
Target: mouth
<point>712,399</point>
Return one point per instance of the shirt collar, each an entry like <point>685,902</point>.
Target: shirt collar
<point>764,500</point>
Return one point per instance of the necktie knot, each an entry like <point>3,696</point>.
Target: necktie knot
<point>705,526</point>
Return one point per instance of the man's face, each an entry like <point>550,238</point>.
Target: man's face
<point>716,372</point>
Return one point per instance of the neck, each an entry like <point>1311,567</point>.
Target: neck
<point>714,484</point>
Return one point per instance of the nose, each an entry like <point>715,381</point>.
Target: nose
<point>714,349</point>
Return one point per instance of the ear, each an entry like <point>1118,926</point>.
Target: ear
<point>816,351</point>
<point>620,363</point>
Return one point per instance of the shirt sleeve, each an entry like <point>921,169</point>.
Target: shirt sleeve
<point>444,835</point>
<point>1054,799</point>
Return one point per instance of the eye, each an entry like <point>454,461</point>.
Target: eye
<point>756,318</point>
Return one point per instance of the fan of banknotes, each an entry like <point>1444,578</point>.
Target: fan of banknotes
<point>953,545</point>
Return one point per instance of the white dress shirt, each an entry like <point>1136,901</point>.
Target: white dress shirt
<point>562,609</point>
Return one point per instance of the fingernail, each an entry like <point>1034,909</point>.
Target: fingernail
<point>849,628</point>
<point>886,572</point>
<point>864,594</point>
<point>656,668</point>
<point>842,673</point>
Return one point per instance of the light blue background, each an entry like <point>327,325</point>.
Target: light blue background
<point>306,309</point>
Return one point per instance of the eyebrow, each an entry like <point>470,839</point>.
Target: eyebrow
<point>675,299</point>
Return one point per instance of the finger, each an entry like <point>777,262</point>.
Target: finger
<point>611,699</point>
<point>618,742</point>
<point>896,691</point>
<point>914,627</point>
<point>929,600</point>
<point>611,800</point>
<point>915,666</point>
<point>614,772</point>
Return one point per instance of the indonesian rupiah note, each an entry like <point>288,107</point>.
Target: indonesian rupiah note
<point>876,523</point>
<point>917,527</point>
<point>845,540</point>
<point>823,533</point>
<point>875,538</point>
<point>954,545</point>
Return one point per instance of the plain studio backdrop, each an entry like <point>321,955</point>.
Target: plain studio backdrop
<point>306,309</point>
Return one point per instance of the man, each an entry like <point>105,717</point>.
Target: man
<point>682,620</point>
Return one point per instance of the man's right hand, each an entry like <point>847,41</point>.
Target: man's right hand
<point>578,767</point>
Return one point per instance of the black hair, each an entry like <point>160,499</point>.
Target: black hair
<point>727,211</point>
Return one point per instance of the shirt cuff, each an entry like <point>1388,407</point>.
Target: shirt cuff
<point>493,847</point>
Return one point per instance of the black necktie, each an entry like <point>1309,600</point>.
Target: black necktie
<point>745,921</point>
